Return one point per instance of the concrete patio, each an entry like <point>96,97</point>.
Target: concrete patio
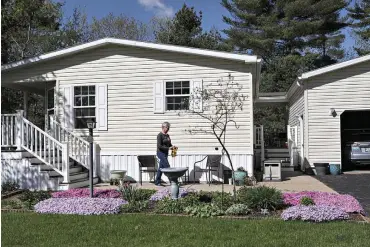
<point>292,181</point>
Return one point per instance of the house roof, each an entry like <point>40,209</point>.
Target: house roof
<point>334,67</point>
<point>325,70</point>
<point>137,44</point>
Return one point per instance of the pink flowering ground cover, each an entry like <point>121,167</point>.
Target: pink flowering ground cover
<point>85,192</point>
<point>347,203</point>
<point>80,206</point>
<point>315,213</point>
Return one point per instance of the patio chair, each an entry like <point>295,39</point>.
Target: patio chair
<point>149,163</point>
<point>213,164</point>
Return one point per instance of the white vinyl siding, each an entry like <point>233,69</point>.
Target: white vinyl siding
<point>296,107</point>
<point>131,73</point>
<point>345,89</point>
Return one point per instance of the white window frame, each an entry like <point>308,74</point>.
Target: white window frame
<point>166,96</point>
<point>82,107</point>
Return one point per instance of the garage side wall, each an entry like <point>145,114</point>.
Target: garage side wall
<point>345,89</point>
<point>296,107</point>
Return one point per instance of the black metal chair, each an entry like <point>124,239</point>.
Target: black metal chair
<point>213,164</point>
<point>149,162</point>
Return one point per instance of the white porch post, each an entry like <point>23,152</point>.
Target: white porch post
<point>19,129</point>
<point>65,162</point>
<point>25,104</point>
<point>95,158</point>
<point>262,148</point>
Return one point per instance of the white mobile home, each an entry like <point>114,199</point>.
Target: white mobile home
<point>330,106</point>
<point>130,88</point>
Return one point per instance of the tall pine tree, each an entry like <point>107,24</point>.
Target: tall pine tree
<point>360,15</point>
<point>291,36</point>
<point>185,29</point>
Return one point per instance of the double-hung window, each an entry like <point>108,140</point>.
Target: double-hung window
<point>84,105</point>
<point>177,95</point>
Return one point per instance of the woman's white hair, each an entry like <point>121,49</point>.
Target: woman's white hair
<point>166,124</point>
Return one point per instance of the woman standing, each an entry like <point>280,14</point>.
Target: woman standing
<point>163,146</point>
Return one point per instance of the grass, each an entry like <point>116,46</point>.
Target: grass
<point>30,229</point>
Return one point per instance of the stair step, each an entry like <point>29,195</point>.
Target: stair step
<point>287,169</point>
<point>36,160</point>
<point>75,176</point>
<point>77,183</point>
<point>44,166</point>
<point>52,172</point>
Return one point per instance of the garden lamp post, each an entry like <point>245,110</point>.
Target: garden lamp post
<point>91,125</point>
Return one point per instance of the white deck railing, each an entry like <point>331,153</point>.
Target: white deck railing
<point>78,147</point>
<point>16,131</point>
<point>46,148</point>
<point>8,130</point>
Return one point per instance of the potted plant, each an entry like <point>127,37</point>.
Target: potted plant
<point>334,169</point>
<point>239,176</point>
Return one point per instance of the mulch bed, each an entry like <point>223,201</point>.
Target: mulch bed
<point>10,194</point>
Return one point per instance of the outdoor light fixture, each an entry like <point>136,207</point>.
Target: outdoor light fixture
<point>91,125</point>
<point>332,112</point>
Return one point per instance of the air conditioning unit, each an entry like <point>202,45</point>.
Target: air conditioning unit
<point>272,170</point>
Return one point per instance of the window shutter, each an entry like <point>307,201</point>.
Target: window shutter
<point>197,88</point>
<point>102,107</point>
<point>68,115</point>
<point>159,100</point>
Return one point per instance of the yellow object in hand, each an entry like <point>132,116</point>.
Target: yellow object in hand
<point>174,151</point>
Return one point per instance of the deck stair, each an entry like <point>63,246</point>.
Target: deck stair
<point>58,155</point>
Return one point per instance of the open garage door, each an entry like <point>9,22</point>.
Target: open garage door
<point>355,139</point>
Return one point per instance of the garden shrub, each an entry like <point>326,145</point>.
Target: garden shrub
<point>261,197</point>
<point>316,213</point>
<point>131,193</point>
<point>222,200</point>
<point>203,210</point>
<point>307,201</point>
<point>11,204</point>
<point>237,209</point>
<point>30,198</point>
<point>9,187</point>
<point>135,207</point>
<point>166,193</point>
<point>169,206</point>
<point>144,194</point>
<point>191,199</point>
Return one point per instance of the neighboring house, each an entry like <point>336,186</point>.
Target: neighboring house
<point>129,88</point>
<point>330,106</point>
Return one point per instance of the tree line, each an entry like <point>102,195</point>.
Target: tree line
<point>291,37</point>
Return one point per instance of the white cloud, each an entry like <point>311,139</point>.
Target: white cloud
<point>158,7</point>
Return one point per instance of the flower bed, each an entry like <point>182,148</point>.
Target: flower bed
<point>316,213</point>
<point>85,192</point>
<point>347,203</point>
<point>166,192</point>
<point>81,206</point>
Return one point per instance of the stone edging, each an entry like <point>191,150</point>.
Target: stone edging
<point>11,194</point>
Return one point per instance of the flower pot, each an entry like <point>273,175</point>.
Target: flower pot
<point>239,177</point>
<point>321,168</point>
<point>117,174</point>
<point>334,169</point>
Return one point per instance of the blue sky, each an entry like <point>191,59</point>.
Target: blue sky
<point>145,10</point>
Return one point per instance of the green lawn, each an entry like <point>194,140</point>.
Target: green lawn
<point>29,229</point>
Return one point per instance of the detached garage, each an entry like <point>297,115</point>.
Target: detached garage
<point>331,107</point>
